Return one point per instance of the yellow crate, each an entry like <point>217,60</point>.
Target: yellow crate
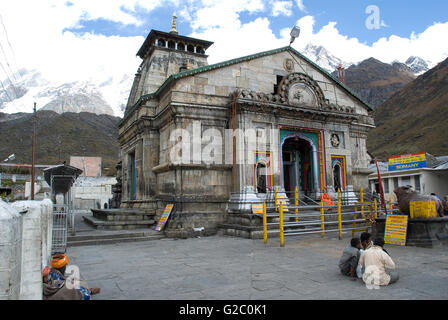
<point>423,209</point>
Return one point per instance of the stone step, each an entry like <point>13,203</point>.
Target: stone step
<point>112,240</point>
<point>119,224</point>
<point>98,235</point>
<point>123,214</point>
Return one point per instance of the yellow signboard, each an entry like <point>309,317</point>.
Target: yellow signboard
<point>165,215</point>
<point>257,208</point>
<point>407,161</point>
<point>423,209</point>
<point>396,229</point>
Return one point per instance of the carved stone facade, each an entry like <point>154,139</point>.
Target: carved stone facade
<point>306,125</point>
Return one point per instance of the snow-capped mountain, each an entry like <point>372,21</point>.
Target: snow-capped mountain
<point>323,58</point>
<point>106,93</point>
<point>417,65</point>
<point>100,97</point>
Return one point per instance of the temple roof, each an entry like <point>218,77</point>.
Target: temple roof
<point>210,67</point>
<point>155,34</point>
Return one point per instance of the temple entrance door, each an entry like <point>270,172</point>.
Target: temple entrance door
<point>261,176</point>
<point>337,178</point>
<point>297,166</point>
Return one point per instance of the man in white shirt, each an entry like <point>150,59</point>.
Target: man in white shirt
<point>377,264</point>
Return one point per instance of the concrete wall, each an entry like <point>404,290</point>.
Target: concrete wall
<point>10,252</point>
<point>28,230</point>
<point>92,192</point>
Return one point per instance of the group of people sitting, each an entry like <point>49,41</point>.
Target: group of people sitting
<point>58,286</point>
<point>367,259</point>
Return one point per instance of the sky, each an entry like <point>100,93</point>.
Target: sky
<point>98,39</point>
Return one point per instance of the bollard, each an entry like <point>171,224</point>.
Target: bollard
<point>391,208</point>
<point>322,219</point>
<point>265,225</point>
<point>275,198</point>
<point>296,203</point>
<point>339,215</point>
<point>282,235</point>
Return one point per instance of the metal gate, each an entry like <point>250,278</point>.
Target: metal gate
<point>60,219</point>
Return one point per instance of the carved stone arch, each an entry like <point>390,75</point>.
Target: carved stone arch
<point>300,89</point>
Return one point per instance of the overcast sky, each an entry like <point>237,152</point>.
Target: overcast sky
<point>82,39</point>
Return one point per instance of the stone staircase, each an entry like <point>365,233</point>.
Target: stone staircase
<point>120,219</point>
<point>249,225</point>
<point>111,237</point>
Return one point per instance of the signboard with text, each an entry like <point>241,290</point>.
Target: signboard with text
<point>407,161</point>
<point>396,229</point>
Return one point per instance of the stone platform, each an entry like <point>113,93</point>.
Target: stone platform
<point>119,219</point>
<point>421,232</point>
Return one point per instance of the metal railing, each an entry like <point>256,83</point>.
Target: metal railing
<point>360,214</point>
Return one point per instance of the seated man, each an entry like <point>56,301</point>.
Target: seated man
<point>376,264</point>
<point>55,282</point>
<point>349,259</point>
<point>366,243</point>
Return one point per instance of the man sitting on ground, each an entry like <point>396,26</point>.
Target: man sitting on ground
<point>55,282</point>
<point>349,259</point>
<point>376,264</point>
<point>366,243</point>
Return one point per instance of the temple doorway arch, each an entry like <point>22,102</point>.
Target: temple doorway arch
<point>299,164</point>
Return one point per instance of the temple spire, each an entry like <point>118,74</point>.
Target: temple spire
<point>173,28</point>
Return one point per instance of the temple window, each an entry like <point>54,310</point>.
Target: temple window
<point>181,46</point>
<point>160,43</point>
<point>190,48</point>
<point>171,44</point>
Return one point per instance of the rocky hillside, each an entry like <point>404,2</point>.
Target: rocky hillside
<point>414,118</point>
<point>375,81</point>
<point>59,136</point>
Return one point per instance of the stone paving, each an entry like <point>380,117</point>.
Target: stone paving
<point>222,267</point>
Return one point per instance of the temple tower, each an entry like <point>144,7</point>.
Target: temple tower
<point>165,54</point>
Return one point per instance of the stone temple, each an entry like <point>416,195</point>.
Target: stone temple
<point>212,139</point>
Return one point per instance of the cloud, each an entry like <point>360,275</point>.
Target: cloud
<point>39,33</point>
<point>281,8</point>
<point>301,6</point>
<point>426,45</point>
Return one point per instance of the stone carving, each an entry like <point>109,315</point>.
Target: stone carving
<point>335,141</point>
<point>309,91</point>
<point>300,94</point>
<point>406,194</point>
<point>288,65</point>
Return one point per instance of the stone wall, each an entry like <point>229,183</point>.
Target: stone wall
<point>27,229</point>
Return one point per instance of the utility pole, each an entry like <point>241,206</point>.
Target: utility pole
<point>33,149</point>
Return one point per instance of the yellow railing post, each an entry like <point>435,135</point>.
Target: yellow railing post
<point>391,208</point>
<point>322,219</point>
<point>361,196</point>
<point>296,203</point>
<point>375,207</point>
<point>339,215</point>
<point>275,198</point>
<point>265,224</point>
<point>354,220</point>
<point>282,235</point>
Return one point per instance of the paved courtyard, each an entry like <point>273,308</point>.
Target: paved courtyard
<point>221,267</point>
